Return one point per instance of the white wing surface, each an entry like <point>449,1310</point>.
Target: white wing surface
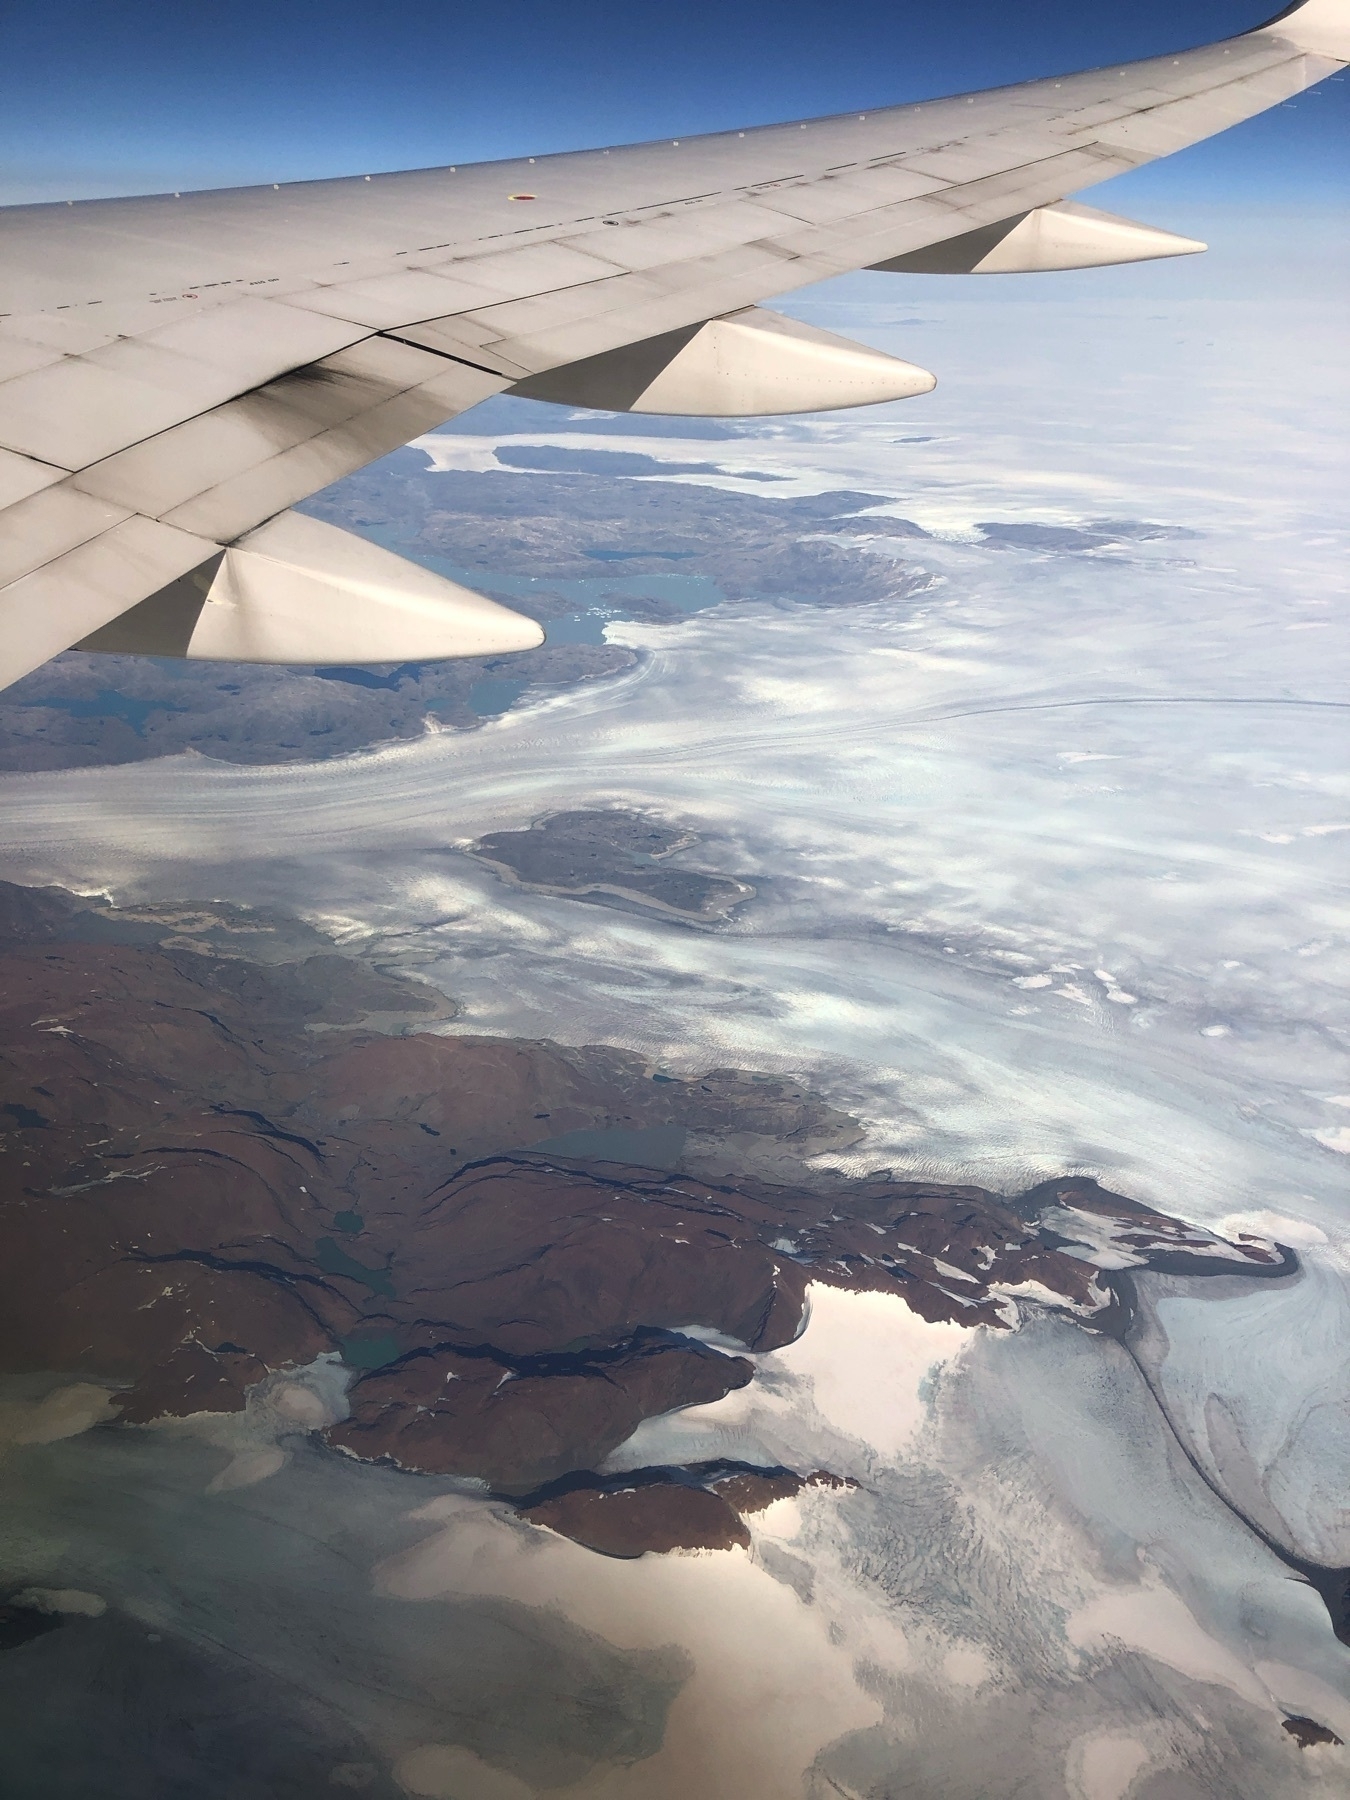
<point>178,370</point>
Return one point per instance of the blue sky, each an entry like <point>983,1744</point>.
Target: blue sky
<point>98,97</point>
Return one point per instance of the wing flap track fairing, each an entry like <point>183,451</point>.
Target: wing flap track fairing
<point>1063,236</point>
<point>300,591</point>
<point>747,364</point>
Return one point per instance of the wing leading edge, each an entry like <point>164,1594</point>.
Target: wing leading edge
<point>176,371</point>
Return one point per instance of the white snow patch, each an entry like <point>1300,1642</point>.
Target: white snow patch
<point>1156,1622</point>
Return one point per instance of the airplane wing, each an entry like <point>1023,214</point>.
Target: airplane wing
<point>177,371</point>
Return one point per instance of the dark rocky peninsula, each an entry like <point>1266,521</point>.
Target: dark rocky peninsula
<point>227,1151</point>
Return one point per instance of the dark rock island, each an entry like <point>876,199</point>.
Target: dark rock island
<point>613,855</point>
